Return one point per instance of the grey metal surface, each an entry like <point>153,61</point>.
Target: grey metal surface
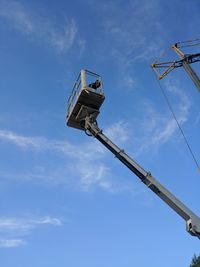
<point>192,74</point>
<point>87,102</point>
<point>192,220</point>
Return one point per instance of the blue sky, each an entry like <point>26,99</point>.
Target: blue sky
<point>65,200</point>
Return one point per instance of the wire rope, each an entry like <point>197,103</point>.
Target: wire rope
<point>188,43</point>
<point>182,46</point>
<point>178,124</point>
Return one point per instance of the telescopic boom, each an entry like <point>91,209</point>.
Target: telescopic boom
<point>192,220</point>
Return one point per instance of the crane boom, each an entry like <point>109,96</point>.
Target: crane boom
<point>83,107</point>
<point>192,220</point>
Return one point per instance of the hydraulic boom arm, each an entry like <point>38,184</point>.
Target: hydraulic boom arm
<point>192,220</point>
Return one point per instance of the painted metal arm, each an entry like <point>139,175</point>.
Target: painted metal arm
<point>192,220</point>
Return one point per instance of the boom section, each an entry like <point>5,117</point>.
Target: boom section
<point>192,220</point>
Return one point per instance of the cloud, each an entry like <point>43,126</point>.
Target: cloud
<point>25,20</point>
<point>82,159</point>
<point>132,38</point>
<point>25,225</point>
<point>80,151</point>
<point>22,141</point>
<point>64,39</point>
<point>129,81</point>
<point>17,15</point>
<point>93,175</point>
<point>82,46</point>
<point>84,166</point>
<point>13,230</point>
<point>118,132</point>
<point>11,243</point>
<point>157,127</point>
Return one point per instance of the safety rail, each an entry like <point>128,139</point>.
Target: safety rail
<point>76,89</point>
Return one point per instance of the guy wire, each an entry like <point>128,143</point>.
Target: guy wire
<point>178,124</point>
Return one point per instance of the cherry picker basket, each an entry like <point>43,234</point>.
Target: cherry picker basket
<point>85,100</point>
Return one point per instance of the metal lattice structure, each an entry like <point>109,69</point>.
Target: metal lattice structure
<point>185,61</point>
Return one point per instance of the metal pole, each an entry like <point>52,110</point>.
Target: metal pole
<point>83,78</point>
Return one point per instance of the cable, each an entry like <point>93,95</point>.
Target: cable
<point>178,124</point>
<point>182,46</point>
<point>188,43</point>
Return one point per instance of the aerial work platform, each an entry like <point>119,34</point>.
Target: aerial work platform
<point>83,108</point>
<point>85,100</point>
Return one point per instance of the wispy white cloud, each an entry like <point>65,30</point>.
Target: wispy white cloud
<point>131,41</point>
<point>156,127</point>
<point>84,165</point>
<point>80,151</point>
<point>64,39</point>
<point>22,141</point>
<point>118,132</point>
<point>132,38</point>
<point>93,175</point>
<point>24,225</point>
<point>129,81</point>
<point>11,243</point>
<point>13,230</point>
<point>17,14</point>
<point>182,113</point>
<point>82,159</point>
<point>82,46</point>
<point>27,21</point>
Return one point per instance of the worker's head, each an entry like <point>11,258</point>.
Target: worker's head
<point>97,83</point>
